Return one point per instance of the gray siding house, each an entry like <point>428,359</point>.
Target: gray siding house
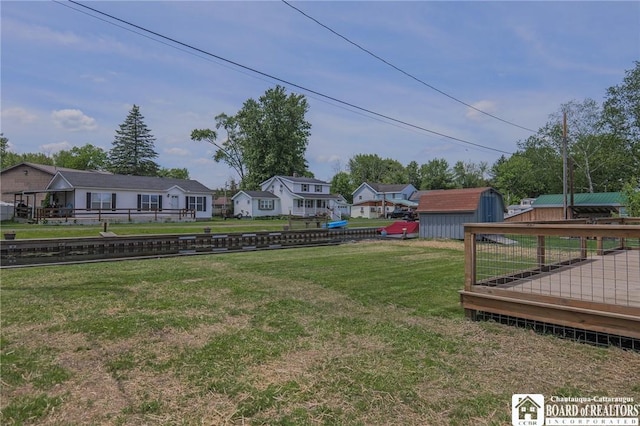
<point>443,213</point>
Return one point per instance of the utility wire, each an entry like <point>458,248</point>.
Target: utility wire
<point>402,71</point>
<point>288,82</point>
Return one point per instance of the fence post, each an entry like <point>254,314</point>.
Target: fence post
<point>469,259</point>
<point>599,246</point>
<point>541,252</point>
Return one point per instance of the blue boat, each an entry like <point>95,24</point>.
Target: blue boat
<point>337,224</point>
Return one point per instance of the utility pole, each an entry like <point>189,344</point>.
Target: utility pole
<point>564,165</point>
<point>224,205</point>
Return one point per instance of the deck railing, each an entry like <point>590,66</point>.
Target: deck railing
<point>579,275</point>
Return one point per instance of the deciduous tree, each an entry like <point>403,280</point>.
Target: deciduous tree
<point>266,137</point>
<point>470,174</point>
<point>87,157</point>
<point>366,168</point>
<point>621,116</point>
<point>175,173</point>
<point>341,184</point>
<point>436,174</point>
<point>7,158</point>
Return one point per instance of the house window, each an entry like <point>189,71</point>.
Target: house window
<point>305,187</point>
<point>308,204</point>
<point>362,210</point>
<point>359,197</point>
<point>265,205</point>
<point>318,188</point>
<point>149,202</point>
<point>198,204</point>
<point>100,200</point>
<point>321,204</point>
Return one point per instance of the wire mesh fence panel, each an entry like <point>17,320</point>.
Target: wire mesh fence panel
<point>562,266</point>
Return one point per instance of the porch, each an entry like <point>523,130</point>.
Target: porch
<point>580,276</point>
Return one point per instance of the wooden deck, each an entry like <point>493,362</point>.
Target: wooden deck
<point>612,278</point>
<point>600,293</point>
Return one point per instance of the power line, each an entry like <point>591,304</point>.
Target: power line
<point>402,71</point>
<point>287,82</point>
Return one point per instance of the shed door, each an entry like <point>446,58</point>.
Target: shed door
<point>488,207</point>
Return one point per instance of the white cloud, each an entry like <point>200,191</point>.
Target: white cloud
<point>177,151</point>
<point>328,158</point>
<point>39,33</point>
<point>94,78</point>
<point>484,105</point>
<point>73,120</point>
<point>204,161</point>
<point>18,115</point>
<point>50,148</point>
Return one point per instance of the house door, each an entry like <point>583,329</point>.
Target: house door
<point>174,202</point>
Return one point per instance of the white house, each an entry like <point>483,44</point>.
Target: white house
<point>290,195</point>
<point>525,205</point>
<point>369,199</point>
<point>255,204</point>
<point>135,198</point>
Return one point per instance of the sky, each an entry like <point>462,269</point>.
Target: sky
<point>70,76</point>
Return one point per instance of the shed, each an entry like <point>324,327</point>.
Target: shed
<point>584,205</point>
<point>443,213</point>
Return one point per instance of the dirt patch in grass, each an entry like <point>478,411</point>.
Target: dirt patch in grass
<point>302,364</point>
<point>436,244</point>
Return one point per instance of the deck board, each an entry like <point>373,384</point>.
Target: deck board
<point>611,278</point>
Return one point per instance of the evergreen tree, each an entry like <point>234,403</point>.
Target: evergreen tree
<point>133,149</point>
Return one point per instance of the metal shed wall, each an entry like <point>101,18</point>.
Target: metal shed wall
<point>491,207</point>
<point>445,225</point>
<point>450,225</point>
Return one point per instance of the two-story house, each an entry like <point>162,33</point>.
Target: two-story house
<point>372,200</point>
<point>291,195</point>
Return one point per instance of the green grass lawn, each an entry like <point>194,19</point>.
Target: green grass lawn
<point>358,334</point>
<point>31,231</point>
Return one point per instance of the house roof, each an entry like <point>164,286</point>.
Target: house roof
<point>298,179</point>
<point>79,179</point>
<point>384,187</point>
<point>584,199</point>
<point>417,194</point>
<point>451,200</point>
<point>52,170</point>
<point>256,194</point>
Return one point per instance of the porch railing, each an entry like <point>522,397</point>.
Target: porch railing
<point>44,213</point>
